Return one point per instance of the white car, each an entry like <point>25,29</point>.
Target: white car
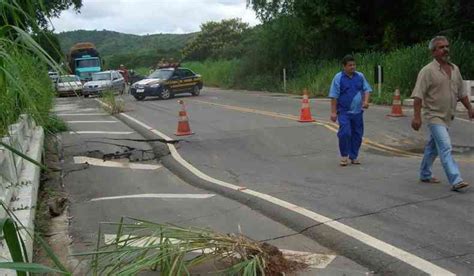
<point>102,81</point>
<point>67,85</point>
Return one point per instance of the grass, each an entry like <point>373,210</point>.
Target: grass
<point>54,124</point>
<point>115,104</point>
<point>217,73</point>
<point>400,67</point>
<point>27,89</point>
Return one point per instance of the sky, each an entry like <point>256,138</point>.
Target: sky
<point>151,16</point>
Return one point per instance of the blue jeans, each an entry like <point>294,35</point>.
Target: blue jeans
<point>351,130</point>
<point>439,144</point>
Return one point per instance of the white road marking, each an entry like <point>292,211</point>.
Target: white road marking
<point>101,132</point>
<point>313,260</point>
<point>165,196</point>
<point>64,107</point>
<point>82,114</point>
<point>162,135</point>
<point>134,241</point>
<point>114,164</point>
<point>91,122</point>
<point>73,108</point>
<point>391,250</point>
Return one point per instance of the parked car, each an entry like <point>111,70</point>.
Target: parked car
<point>67,85</point>
<point>167,82</point>
<point>103,81</point>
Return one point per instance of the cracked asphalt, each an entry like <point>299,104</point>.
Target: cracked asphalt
<point>299,163</point>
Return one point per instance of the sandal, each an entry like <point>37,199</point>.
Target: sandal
<point>355,162</point>
<point>344,162</point>
<point>432,180</point>
<point>459,186</point>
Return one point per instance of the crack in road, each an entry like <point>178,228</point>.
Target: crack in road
<point>65,173</point>
<point>452,256</point>
<point>361,215</point>
<point>394,207</point>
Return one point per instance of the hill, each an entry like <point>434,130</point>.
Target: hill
<point>132,50</point>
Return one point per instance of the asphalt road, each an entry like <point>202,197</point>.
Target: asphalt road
<point>252,139</point>
<point>133,184</point>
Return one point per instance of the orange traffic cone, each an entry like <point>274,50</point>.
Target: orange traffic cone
<point>305,115</point>
<point>183,123</point>
<point>396,105</point>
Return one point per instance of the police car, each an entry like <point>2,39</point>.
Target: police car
<point>166,82</point>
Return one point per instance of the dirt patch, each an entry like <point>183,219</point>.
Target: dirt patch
<point>52,222</point>
<point>277,264</point>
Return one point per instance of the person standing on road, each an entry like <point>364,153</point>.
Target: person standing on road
<point>438,88</point>
<point>349,93</point>
<point>124,71</point>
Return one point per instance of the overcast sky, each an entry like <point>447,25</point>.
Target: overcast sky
<point>151,16</point>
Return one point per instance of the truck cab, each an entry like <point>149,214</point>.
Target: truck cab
<point>84,60</point>
<point>86,66</point>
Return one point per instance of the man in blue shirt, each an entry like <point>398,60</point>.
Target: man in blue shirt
<point>349,94</point>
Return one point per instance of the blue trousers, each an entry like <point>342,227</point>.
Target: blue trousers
<point>440,145</point>
<point>351,130</point>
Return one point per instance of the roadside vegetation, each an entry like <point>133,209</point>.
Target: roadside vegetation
<point>309,38</point>
<point>140,245</point>
<point>26,87</point>
<point>400,67</point>
<point>24,83</point>
<point>114,105</point>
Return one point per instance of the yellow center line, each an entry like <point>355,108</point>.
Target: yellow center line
<point>328,125</point>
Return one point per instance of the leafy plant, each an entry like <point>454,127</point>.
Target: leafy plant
<point>10,232</point>
<point>141,245</point>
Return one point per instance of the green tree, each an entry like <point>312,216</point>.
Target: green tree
<point>336,27</point>
<point>33,14</point>
<point>217,40</point>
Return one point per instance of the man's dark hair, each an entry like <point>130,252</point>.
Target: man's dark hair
<point>347,58</point>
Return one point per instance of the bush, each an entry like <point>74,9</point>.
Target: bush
<point>221,73</point>
<point>27,89</point>
<point>400,66</point>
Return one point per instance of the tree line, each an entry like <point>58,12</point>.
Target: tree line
<point>294,32</point>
